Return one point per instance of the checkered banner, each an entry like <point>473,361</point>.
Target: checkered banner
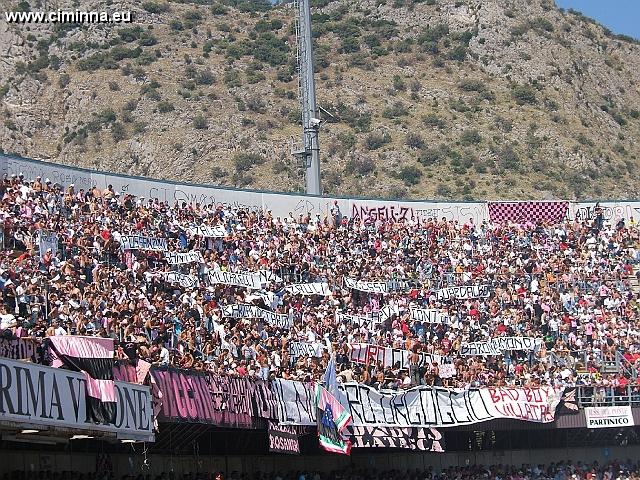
<point>523,212</point>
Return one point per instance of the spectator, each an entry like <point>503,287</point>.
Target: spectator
<point>566,284</point>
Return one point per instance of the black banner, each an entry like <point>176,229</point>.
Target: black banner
<point>414,438</point>
<point>283,439</point>
<point>568,403</point>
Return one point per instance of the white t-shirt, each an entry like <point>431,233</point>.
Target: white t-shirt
<point>60,331</point>
<point>7,321</point>
<point>164,356</point>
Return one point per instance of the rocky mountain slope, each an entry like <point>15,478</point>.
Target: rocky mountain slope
<point>466,99</point>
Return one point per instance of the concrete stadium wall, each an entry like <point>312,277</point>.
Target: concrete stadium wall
<point>132,463</point>
<point>282,203</point>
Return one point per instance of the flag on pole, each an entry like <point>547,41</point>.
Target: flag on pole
<point>332,420</point>
<point>331,384</point>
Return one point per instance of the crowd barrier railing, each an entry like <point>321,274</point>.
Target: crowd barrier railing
<point>595,396</point>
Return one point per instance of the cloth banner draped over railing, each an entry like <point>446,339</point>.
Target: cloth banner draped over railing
<point>413,438</point>
<point>390,357</point>
<point>497,345</point>
<point>21,349</point>
<point>92,356</point>
<point>197,397</point>
<point>278,320</point>
<point>252,280</point>
<point>177,258</point>
<point>139,242</point>
<point>283,439</point>
<point>208,231</point>
<point>181,279</point>
<point>528,212</point>
<point>423,406</point>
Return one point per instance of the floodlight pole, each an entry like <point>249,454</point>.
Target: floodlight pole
<point>310,153</point>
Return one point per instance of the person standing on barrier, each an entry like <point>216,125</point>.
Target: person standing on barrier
<point>414,365</point>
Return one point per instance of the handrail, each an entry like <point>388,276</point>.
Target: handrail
<point>600,396</point>
<point>626,365</point>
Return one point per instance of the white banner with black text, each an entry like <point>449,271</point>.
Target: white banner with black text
<point>367,322</point>
<point>498,345</point>
<point>464,292</point>
<point>303,349</point>
<point>184,280</point>
<point>139,242</point>
<point>309,289</point>
<point>217,231</point>
<point>176,258</point>
<point>389,357</point>
<point>429,315</point>
<point>608,417</point>
<point>368,287</point>
<point>55,397</point>
<point>423,406</point>
<point>278,320</point>
<point>253,280</point>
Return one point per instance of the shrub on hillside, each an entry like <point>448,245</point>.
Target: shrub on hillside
<point>433,120</point>
<point>200,122</point>
<point>97,61</point>
<point>118,132</point>
<point>470,137</point>
<point>359,166</point>
<point>471,85</point>
<point>409,174</point>
<point>63,81</point>
<point>398,109</point>
<point>509,158</point>
<point>524,94</point>
<point>165,106</point>
<point>429,156</point>
<point>244,161</point>
<point>155,7</point>
<point>268,48</point>
<point>458,53</point>
<point>414,140</point>
<point>376,140</point>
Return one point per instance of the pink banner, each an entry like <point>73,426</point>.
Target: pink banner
<point>203,398</point>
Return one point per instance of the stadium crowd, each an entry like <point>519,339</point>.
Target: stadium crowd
<point>614,470</point>
<point>567,284</point>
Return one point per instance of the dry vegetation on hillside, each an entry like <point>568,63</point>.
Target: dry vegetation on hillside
<point>468,99</point>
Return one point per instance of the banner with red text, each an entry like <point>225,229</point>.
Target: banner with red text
<point>423,406</point>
